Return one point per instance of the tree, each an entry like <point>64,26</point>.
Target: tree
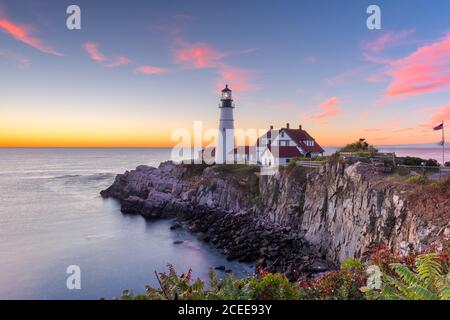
<point>360,145</point>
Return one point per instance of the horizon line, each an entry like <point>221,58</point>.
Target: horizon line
<point>169,147</point>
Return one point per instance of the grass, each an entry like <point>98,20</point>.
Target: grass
<point>318,158</point>
<point>237,169</point>
<point>418,180</point>
<point>194,169</point>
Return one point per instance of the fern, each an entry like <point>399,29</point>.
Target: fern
<point>426,282</point>
<point>428,268</point>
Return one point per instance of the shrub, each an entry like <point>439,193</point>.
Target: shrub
<point>271,286</point>
<point>416,275</point>
<point>336,285</point>
<point>360,146</point>
<point>427,281</point>
<point>174,287</point>
<point>402,171</point>
<point>317,158</point>
<point>352,265</point>
<point>432,163</point>
<point>416,161</point>
<point>417,180</point>
<point>227,288</point>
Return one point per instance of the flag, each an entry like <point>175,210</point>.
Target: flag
<point>439,127</point>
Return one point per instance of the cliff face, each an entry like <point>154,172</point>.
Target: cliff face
<point>348,209</point>
<point>336,212</point>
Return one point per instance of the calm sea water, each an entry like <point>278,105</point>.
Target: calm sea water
<point>51,216</point>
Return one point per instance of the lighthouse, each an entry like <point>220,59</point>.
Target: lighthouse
<point>225,136</point>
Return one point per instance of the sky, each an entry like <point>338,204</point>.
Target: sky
<point>137,71</point>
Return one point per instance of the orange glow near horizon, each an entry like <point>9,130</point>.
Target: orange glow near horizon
<point>160,138</point>
<point>95,129</point>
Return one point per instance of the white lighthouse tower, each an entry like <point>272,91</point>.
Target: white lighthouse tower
<point>225,137</point>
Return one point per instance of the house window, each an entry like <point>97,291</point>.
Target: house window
<point>287,160</point>
<point>282,134</point>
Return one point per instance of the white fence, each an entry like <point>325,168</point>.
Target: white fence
<point>310,164</point>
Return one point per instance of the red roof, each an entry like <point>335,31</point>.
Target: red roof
<point>298,136</point>
<point>285,151</point>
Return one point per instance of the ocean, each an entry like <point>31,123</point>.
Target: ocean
<point>52,216</point>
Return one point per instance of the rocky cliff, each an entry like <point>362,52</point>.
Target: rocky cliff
<point>296,221</point>
<point>345,209</point>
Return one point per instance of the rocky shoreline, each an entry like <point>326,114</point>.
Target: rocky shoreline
<point>297,222</point>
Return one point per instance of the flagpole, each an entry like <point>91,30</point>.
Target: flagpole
<point>443,145</point>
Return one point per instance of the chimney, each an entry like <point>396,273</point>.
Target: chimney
<point>287,125</point>
<point>300,127</point>
<point>271,127</point>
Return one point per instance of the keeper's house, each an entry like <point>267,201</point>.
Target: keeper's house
<point>281,146</point>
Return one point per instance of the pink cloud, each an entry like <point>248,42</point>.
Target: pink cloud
<point>118,61</point>
<point>330,110</point>
<point>344,76</point>
<point>150,70</point>
<point>435,116</point>
<point>92,49</point>
<point>371,53</point>
<point>20,59</point>
<point>311,59</point>
<point>425,70</point>
<point>387,40</point>
<point>199,55</point>
<point>237,79</point>
<point>95,54</point>
<point>202,56</point>
<point>377,77</point>
<point>440,114</point>
<point>24,35</point>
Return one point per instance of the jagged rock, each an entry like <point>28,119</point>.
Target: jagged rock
<point>132,204</point>
<point>203,237</point>
<point>221,268</point>
<point>175,225</point>
<point>292,220</point>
